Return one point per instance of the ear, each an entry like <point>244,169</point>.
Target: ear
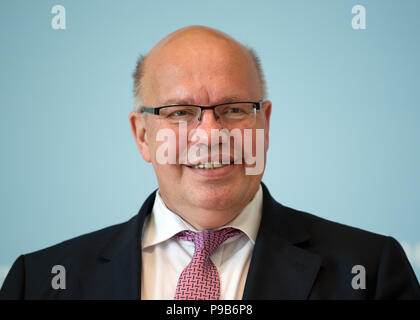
<point>139,131</point>
<point>267,112</point>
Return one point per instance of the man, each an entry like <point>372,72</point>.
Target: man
<point>212,223</point>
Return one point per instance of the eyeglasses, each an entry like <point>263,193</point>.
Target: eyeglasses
<point>228,114</point>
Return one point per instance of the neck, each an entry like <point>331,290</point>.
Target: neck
<point>204,218</point>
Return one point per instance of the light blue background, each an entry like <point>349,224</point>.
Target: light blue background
<point>345,124</point>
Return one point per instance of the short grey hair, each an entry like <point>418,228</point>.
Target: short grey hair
<point>138,76</point>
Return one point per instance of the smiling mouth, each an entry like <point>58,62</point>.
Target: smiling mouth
<point>210,165</point>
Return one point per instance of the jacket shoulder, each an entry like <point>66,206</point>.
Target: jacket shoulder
<point>87,244</point>
<point>328,232</point>
<point>345,249</point>
<point>31,274</point>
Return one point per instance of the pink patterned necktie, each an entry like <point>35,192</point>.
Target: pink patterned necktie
<point>200,279</point>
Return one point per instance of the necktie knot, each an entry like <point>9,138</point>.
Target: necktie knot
<point>208,240</point>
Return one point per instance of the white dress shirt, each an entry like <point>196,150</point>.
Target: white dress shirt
<point>165,257</point>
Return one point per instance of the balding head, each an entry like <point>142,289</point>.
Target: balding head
<point>193,48</point>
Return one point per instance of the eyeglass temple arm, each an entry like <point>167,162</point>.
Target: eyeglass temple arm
<point>150,110</point>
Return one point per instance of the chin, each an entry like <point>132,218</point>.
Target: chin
<point>214,199</point>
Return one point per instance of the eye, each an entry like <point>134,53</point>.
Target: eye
<point>179,113</point>
<point>234,110</point>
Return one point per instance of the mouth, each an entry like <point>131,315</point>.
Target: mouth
<point>210,165</point>
<point>213,170</point>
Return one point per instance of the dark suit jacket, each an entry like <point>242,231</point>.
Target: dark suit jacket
<point>296,256</point>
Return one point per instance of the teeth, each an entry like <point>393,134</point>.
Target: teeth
<point>209,165</point>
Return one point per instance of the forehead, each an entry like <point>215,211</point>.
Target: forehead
<point>200,68</point>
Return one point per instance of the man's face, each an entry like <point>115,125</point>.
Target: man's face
<point>202,70</point>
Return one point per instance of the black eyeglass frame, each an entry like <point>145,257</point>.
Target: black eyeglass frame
<point>156,111</point>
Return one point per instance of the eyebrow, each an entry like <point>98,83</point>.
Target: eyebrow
<point>226,99</point>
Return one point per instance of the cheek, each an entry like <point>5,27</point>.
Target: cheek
<point>163,145</point>
<point>164,154</point>
<point>254,141</point>
<point>168,175</point>
<point>261,138</point>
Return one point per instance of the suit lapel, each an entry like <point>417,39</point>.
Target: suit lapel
<point>117,271</point>
<point>279,269</point>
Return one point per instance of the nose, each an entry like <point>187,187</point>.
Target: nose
<point>208,120</point>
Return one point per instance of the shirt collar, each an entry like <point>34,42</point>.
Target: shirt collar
<point>163,224</point>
